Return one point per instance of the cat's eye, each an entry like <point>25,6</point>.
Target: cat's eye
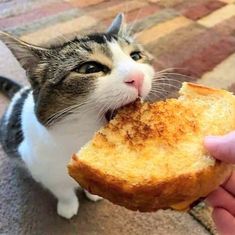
<point>136,55</point>
<point>91,67</point>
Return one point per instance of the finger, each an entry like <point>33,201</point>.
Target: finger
<point>221,198</point>
<point>229,185</point>
<point>225,222</point>
<point>222,147</point>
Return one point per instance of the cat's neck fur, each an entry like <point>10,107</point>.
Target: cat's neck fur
<point>68,136</point>
<point>76,132</point>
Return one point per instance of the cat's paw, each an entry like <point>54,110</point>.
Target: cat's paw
<point>68,209</point>
<point>92,197</point>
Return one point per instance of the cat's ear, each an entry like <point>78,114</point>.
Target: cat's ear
<point>117,25</point>
<point>28,55</point>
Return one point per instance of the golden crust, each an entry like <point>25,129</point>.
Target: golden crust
<point>153,195</point>
<point>151,156</point>
<point>143,125</point>
<point>203,90</point>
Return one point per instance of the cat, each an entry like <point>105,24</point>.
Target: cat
<point>73,88</point>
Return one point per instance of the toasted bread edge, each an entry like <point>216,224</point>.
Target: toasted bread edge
<point>188,87</point>
<point>153,195</point>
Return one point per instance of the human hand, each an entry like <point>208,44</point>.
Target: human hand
<point>223,199</point>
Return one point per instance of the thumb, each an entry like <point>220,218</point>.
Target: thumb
<point>222,147</point>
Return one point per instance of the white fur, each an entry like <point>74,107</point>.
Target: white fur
<point>13,101</point>
<point>46,152</point>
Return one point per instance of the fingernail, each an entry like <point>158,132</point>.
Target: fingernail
<point>212,142</point>
<point>211,139</point>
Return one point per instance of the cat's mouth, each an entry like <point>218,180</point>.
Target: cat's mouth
<point>110,114</point>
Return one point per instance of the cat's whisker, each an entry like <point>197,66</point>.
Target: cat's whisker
<point>159,87</point>
<point>168,82</point>
<point>66,39</point>
<point>124,30</point>
<point>172,69</point>
<point>159,90</point>
<point>87,104</point>
<point>168,85</point>
<point>164,77</point>
<point>134,23</point>
<point>156,93</point>
<point>105,98</point>
<point>161,93</point>
<point>154,96</point>
<point>54,117</point>
<point>94,105</point>
<point>79,113</point>
<point>103,111</point>
<point>175,75</point>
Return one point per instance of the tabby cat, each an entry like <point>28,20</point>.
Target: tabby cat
<point>74,87</point>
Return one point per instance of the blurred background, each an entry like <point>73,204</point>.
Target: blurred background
<point>195,38</point>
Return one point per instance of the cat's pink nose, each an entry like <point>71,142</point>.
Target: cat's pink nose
<point>136,80</point>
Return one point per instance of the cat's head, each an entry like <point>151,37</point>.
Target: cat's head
<point>103,71</point>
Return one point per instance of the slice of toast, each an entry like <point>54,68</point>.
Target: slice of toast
<point>151,156</point>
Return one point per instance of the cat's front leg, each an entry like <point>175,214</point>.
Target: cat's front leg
<point>68,203</point>
<point>92,197</point>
